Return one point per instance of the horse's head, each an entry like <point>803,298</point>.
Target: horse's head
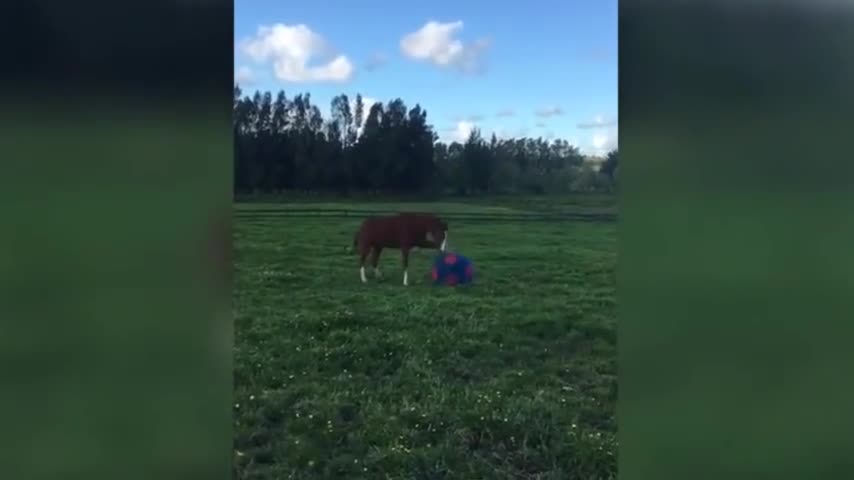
<point>437,232</point>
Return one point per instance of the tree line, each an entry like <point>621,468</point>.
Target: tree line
<point>284,144</point>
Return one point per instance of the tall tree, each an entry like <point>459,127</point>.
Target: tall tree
<point>281,164</point>
<point>367,164</point>
<point>358,112</point>
<point>610,165</point>
<point>286,145</point>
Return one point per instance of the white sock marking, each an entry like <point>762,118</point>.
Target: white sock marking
<point>444,242</point>
<point>364,278</point>
<point>405,277</point>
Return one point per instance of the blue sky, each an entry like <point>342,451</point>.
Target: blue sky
<point>535,68</point>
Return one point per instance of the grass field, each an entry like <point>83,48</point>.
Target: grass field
<point>513,377</point>
<point>578,203</point>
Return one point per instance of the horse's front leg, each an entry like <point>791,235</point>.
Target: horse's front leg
<point>363,254</point>
<point>404,257</point>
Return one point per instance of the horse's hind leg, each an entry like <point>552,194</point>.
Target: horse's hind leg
<point>375,259</point>
<point>404,257</point>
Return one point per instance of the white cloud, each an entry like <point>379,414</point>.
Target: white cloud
<point>599,121</point>
<point>604,135</point>
<point>375,61</point>
<point>460,131</point>
<point>508,134</point>
<point>473,118</point>
<point>604,141</point>
<point>367,103</point>
<point>435,42</point>
<point>502,133</point>
<point>552,111</point>
<point>292,50</point>
<point>463,129</point>
<point>244,75</point>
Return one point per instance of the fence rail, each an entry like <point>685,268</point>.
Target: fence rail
<point>264,214</point>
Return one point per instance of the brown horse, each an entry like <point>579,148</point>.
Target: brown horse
<point>403,231</point>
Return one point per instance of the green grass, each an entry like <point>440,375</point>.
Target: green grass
<point>566,203</point>
<point>449,207</point>
<point>513,377</point>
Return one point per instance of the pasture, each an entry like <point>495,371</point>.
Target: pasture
<point>513,377</point>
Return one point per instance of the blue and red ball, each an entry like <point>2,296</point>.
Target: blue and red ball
<point>452,269</point>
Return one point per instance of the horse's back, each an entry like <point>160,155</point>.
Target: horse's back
<point>393,230</point>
